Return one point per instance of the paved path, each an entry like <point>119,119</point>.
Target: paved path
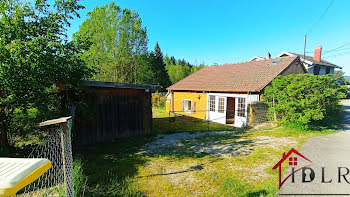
<point>331,151</point>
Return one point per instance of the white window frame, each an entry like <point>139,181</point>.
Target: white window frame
<point>241,107</point>
<point>221,111</point>
<point>212,96</point>
<point>189,108</point>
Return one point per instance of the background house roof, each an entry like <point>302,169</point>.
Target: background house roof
<point>310,59</point>
<point>241,77</point>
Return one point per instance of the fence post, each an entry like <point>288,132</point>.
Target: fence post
<point>64,127</point>
<point>208,120</point>
<point>67,161</point>
<point>274,110</point>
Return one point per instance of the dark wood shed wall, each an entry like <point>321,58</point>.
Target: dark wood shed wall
<point>114,113</point>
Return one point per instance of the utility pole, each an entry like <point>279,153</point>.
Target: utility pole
<point>304,45</point>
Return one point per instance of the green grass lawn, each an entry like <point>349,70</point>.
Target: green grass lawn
<point>118,169</point>
<point>164,123</point>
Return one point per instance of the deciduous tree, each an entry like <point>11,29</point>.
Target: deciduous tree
<point>118,43</point>
<point>36,59</point>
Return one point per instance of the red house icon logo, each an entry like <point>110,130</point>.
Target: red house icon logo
<point>292,161</point>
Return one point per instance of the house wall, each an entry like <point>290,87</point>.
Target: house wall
<point>322,70</point>
<point>179,97</point>
<point>215,116</point>
<point>202,105</point>
<point>295,68</point>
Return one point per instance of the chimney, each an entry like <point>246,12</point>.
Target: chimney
<point>268,56</point>
<point>317,53</point>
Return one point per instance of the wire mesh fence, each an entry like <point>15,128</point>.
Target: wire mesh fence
<point>207,120</point>
<point>258,113</point>
<point>56,146</point>
<point>58,181</point>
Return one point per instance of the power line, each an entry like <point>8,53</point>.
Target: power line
<point>335,49</point>
<point>331,56</point>
<point>340,50</point>
<point>319,19</point>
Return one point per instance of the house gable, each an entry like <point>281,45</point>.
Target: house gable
<point>295,68</point>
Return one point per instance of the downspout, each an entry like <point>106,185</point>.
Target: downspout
<point>172,100</point>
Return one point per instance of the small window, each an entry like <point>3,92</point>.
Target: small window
<point>212,103</point>
<point>293,161</point>
<point>274,62</point>
<point>316,70</point>
<point>187,105</point>
<point>221,105</point>
<point>328,70</point>
<point>241,107</point>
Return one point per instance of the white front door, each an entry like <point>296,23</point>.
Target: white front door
<point>217,109</point>
<point>241,112</point>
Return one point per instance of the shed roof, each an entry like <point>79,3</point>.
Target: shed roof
<point>121,85</point>
<point>241,77</point>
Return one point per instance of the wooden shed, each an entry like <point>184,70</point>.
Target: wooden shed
<point>114,110</point>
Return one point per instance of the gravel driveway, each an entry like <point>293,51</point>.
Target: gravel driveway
<point>331,152</point>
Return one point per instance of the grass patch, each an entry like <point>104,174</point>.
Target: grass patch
<point>79,178</point>
<point>118,169</point>
<point>110,166</point>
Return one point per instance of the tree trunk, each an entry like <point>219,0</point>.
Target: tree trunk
<point>4,128</point>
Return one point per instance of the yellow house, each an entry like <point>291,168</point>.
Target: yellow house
<point>222,93</point>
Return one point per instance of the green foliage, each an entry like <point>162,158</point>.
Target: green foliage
<point>161,76</point>
<point>79,178</point>
<point>179,69</point>
<point>116,46</point>
<point>158,100</point>
<point>116,43</point>
<point>339,75</point>
<point>36,59</point>
<point>307,100</point>
<point>152,69</point>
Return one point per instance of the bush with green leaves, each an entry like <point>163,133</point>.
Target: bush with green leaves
<point>36,60</point>
<point>306,100</point>
<point>158,100</point>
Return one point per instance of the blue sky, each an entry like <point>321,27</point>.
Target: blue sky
<point>236,30</point>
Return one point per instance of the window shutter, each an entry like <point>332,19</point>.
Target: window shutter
<point>193,107</point>
<point>182,106</point>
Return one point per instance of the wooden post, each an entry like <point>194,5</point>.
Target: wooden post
<point>64,126</point>
<point>208,118</point>
<point>274,111</point>
<point>251,115</point>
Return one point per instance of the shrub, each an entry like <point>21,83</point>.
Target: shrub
<point>307,100</point>
<point>158,100</point>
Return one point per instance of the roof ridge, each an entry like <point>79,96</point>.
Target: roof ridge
<point>246,62</point>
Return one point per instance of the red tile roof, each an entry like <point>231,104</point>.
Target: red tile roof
<point>241,77</point>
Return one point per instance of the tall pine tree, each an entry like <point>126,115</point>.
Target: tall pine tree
<point>161,76</point>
